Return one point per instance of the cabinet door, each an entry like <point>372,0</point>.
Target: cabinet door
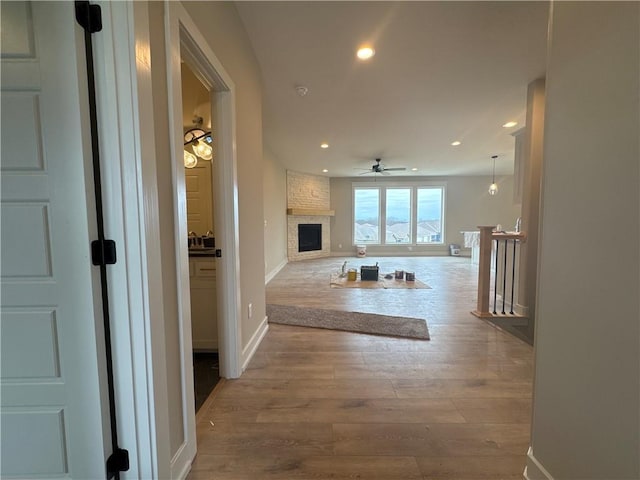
<point>204,323</point>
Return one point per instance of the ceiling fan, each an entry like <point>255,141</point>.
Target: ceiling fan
<point>380,168</point>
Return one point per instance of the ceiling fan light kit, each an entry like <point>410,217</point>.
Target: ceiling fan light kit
<point>381,169</point>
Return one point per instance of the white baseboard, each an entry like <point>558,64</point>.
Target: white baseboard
<point>394,254</point>
<point>181,462</point>
<point>254,343</point>
<point>534,469</point>
<point>269,276</point>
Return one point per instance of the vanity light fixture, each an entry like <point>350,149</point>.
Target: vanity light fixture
<point>414,169</point>
<point>365,52</point>
<point>324,145</point>
<point>190,160</point>
<point>324,170</point>
<point>456,143</point>
<point>200,142</point>
<point>510,124</point>
<point>493,188</point>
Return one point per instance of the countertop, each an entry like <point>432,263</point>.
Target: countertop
<point>202,252</point>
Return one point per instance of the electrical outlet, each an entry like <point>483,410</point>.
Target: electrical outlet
<point>250,310</point>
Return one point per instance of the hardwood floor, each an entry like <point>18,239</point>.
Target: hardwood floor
<point>322,404</point>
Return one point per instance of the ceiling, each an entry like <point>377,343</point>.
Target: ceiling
<point>443,71</point>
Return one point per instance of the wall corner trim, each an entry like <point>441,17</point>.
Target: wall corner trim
<point>534,469</point>
<point>254,343</point>
<point>269,276</point>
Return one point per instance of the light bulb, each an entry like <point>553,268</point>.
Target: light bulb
<point>365,52</point>
<point>203,150</point>
<point>493,189</point>
<point>190,160</point>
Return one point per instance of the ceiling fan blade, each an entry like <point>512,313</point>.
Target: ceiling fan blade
<point>365,173</point>
<point>384,172</point>
<point>396,169</point>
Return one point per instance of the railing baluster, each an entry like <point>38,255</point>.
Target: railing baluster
<point>504,277</point>
<point>513,273</point>
<point>495,279</point>
<point>487,235</point>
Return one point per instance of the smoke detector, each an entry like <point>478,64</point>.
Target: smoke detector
<point>302,90</point>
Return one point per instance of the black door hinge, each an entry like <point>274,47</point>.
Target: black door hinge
<point>103,252</point>
<point>117,462</point>
<point>89,16</point>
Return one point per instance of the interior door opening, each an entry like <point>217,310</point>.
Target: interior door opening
<point>199,154</point>
<point>187,45</point>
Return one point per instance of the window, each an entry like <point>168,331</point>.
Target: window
<point>398,215</point>
<point>366,208</point>
<point>407,214</point>
<point>429,218</point>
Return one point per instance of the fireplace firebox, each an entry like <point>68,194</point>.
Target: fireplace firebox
<point>309,237</point>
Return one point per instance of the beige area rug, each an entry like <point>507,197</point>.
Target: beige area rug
<point>341,282</point>
<point>348,321</point>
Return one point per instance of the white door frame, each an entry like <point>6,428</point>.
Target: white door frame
<point>184,40</point>
<point>129,182</point>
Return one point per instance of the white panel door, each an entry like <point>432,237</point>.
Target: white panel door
<point>52,346</point>
<point>199,198</point>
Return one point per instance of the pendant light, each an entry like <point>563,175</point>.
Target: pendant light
<point>493,188</point>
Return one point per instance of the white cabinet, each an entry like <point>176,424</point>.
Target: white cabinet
<point>204,324</point>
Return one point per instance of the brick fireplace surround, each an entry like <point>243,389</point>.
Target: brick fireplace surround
<point>308,201</point>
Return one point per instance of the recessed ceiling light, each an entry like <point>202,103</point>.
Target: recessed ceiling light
<point>365,52</point>
<point>414,169</point>
<point>324,145</point>
<point>456,143</point>
<point>324,170</point>
<point>510,124</point>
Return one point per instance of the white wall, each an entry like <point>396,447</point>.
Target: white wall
<point>467,205</point>
<point>275,214</point>
<point>587,381</point>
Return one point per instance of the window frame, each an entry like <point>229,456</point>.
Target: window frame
<point>382,211</point>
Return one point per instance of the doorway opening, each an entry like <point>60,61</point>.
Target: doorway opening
<point>199,155</point>
<point>187,45</point>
